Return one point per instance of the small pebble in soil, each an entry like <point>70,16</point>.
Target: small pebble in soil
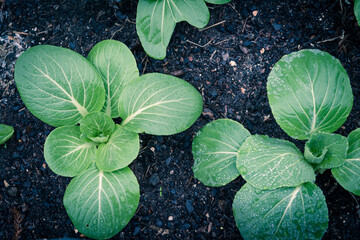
<point>154,179</point>
<point>170,218</point>
<point>276,26</point>
<point>136,231</point>
<point>189,206</point>
<point>13,191</point>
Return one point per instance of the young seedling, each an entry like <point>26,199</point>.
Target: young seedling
<point>6,133</point>
<point>310,97</point>
<point>156,20</point>
<point>81,97</point>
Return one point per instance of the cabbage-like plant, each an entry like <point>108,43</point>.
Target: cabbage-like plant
<point>310,96</point>
<point>81,97</point>
<point>156,20</point>
<point>6,132</point>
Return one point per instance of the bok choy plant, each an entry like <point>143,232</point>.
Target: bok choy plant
<point>156,20</point>
<point>310,96</point>
<point>81,96</point>
<point>6,133</point>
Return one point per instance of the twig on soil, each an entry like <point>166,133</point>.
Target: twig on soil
<point>333,39</point>
<point>17,221</point>
<point>112,36</point>
<point>232,6</point>
<point>214,25</point>
<point>146,61</point>
<point>22,33</point>
<point>243,29</point>
<point>225,40</point>
<point>202,46</point>
<point>212,55</point>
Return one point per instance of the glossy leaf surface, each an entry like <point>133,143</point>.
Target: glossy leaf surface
<point>117,66</point>
<point>284,213</point>
<point>215,150</point>
<point>331,148</point>
<point>97,126</point>
<point>309,91</point>
<point>67,153</point>
<point>6,132</point>
<point>156,20</point>
<point>100,204</point>
<point>268,163</point>
<point>159,104</point>
<point>58,85</point>
<point>119,151</point>
<point>348,174</point>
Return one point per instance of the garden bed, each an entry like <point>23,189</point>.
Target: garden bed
<point>228,63</point>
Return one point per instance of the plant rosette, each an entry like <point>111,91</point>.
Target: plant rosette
<point>156,21</point>
<point>81,96</point>
<point>310,97</point>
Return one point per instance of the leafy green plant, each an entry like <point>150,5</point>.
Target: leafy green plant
<point>80,97</point>
<point>357,10</point>
<point>156,20</point>
<point>6,133</point>
<point>310,97</point>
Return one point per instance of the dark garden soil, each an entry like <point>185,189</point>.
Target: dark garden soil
<point>228,63</point>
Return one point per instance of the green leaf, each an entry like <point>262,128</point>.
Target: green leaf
<point>215,149</point>
<point>67,153</point>
<point>156,19</point>
<point>57,85</point>
<point>6,132</point>
<point>284,213</point>
<point>159,104</point>
<point>309,91</point>
<point>121,149</point>
<point>217,1</point>
<point>268,163</point>
<point>326,150</point>
<point>357,10</point>
<point>348,174</point>
<point>97,126</point>
<point>117,66</point>
<point>100,204</point>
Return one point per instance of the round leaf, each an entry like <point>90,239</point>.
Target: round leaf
<point>100,204</point>
<point>67,153</point>
<point>331,148</point>
<point>348,174</point>
<point>159,104</point>
<point>6,132</point>
<point>97,126</point>
<point>119,151</point>
<point>268,163</point>
<point>283,213</point>
<point>155,21</point>
<point>215,149</point>
<point>57,85</point>
<point>309,91</point>
<point>117,66</point>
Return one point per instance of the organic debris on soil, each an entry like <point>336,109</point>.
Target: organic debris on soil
<point>228,62</point>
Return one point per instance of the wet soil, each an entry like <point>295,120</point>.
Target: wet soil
<point>228,63</point>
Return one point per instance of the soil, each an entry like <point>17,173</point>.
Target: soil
<point>228,63</point>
